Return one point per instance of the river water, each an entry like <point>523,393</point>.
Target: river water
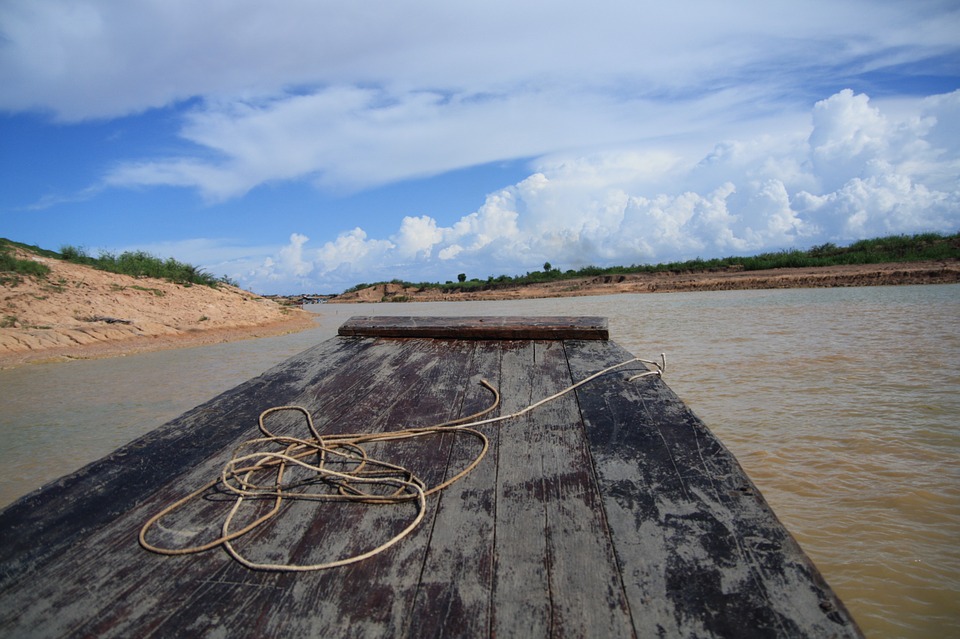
<point>843,405</point>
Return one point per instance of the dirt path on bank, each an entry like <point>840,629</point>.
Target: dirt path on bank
<point>79,312</point>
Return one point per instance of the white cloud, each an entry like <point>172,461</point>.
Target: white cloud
<point>881,205</point>
<point>849,137</point>
<point>99,58</point>
<point>494,223</point>
<point>852,172</point>
<point>292,258</point>
<point>417,237</point>
<point>347,138</point>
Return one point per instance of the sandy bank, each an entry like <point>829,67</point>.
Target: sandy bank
<point>897,273</point>
<point>80,312</point>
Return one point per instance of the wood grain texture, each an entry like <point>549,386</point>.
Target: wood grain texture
<point>453,594</point>
<point>691,530</point>
<point>612,511</point>
<point>551,328</point>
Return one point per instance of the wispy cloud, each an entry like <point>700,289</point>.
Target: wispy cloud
<point>51,199</point>
<point>97,58</point>
<point>347,139</point>
<point>361,95</point>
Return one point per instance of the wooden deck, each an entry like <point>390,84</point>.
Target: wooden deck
<point>609,512</point>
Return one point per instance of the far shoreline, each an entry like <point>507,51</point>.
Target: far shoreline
<point>882,274</point>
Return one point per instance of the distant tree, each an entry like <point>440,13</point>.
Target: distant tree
<point>547,267</point>
<point>462,277</point>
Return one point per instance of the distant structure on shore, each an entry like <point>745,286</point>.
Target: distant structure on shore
<point>300,300</point>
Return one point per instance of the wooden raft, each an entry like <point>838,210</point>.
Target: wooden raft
<point>610,512</point>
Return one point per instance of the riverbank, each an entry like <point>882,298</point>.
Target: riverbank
<point>78,312</point>
<point>888,274</point>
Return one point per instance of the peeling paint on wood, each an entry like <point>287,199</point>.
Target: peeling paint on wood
<point>612,511</point>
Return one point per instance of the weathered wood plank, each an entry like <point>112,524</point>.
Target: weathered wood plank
<point>453,596</point>
<point>700,551</point>
<point>478,327</point>
<point>587,598</point>
<point>521,596</point>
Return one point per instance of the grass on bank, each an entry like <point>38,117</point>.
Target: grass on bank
<point>143,264</point>
<point>133,263</point>
<point>13,269</point>
<point>894,248</point>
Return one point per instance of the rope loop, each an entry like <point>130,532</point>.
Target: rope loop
<point>335,468</point>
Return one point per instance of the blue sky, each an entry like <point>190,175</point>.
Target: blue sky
<point>306,146</point>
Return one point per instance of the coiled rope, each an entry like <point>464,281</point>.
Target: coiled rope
<point>360,479</point>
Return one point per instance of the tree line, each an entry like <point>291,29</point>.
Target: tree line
<point>894,248</point>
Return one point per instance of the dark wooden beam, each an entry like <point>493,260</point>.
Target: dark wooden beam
<point>546,328</point>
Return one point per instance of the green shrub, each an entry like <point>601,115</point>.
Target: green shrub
<point>143,264</point>
<point>9,263</point>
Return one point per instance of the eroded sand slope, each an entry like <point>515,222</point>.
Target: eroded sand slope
<point>78,311</point>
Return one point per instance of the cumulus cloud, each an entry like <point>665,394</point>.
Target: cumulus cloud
<point>852,172</point>
<point>417,237</point>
